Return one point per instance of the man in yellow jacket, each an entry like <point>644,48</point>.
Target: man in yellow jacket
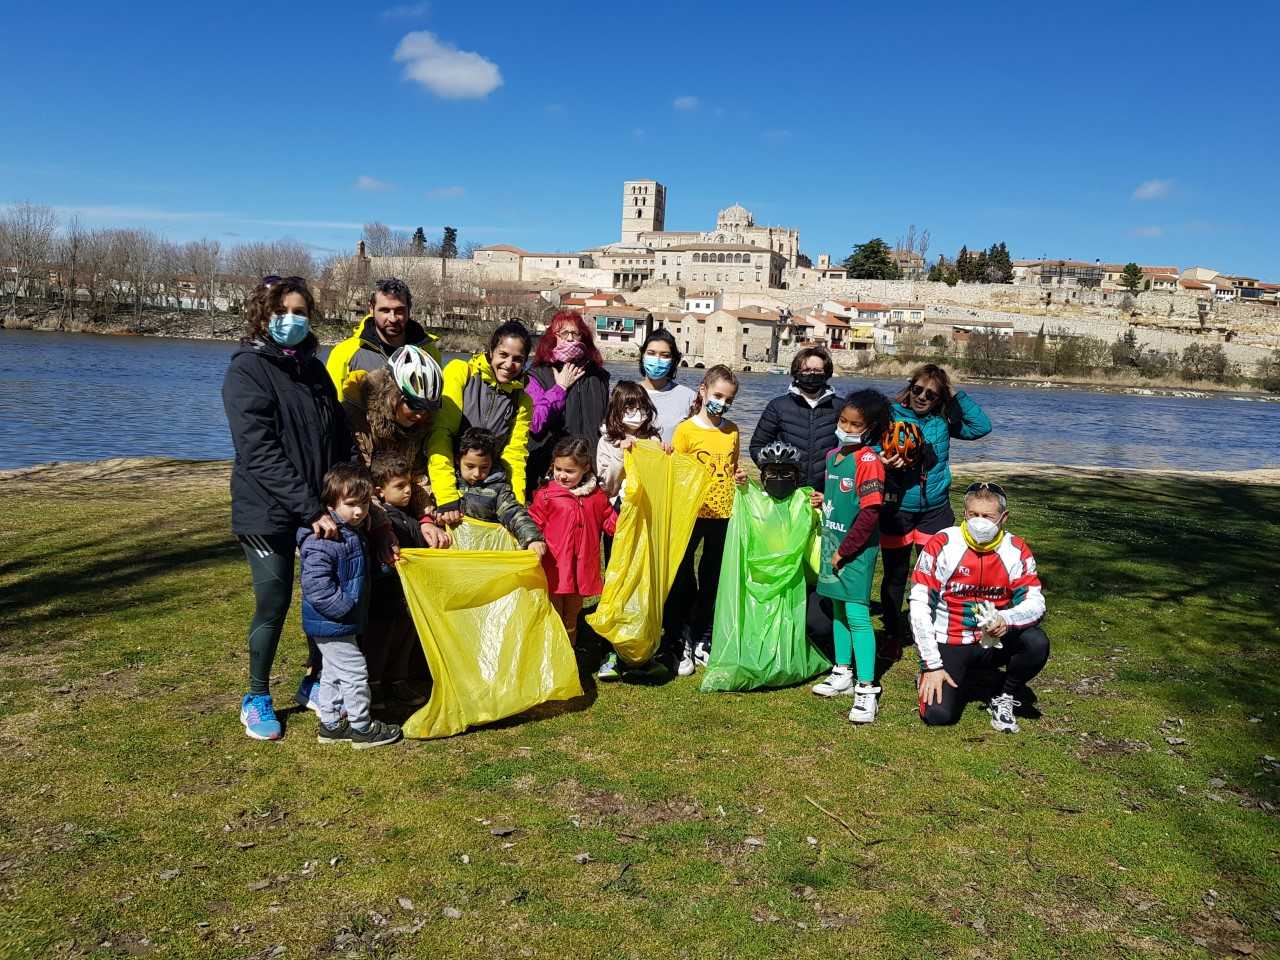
<point>383,330</point>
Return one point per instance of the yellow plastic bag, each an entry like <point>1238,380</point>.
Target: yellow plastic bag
<point>493,642</point>
<point>663,493</point>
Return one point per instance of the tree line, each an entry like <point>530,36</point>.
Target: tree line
<point>875,260</point>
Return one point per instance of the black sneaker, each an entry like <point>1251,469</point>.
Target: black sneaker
<point>340,732</point>
<point>379,734</point>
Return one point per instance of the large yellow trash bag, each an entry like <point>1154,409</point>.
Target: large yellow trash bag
<point>663,493</point>
<point>494,644</point>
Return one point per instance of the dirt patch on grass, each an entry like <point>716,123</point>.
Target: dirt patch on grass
<point>999,469</point>
<point>186,475</point>
<point>597,807</point>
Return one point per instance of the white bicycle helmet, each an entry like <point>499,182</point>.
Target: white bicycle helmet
<point>418,377</point>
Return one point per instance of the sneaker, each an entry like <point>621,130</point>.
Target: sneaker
<point>402,691</point>
<point>259,717</point>
<point>1001,710</point>
<point>308,695</point>
<point>379,734</point>
<point>609,670</point>
<point>701,653</point>
<point>685,668</point>
<point>839,684</point>
<point>865,703</point>
<point>340,732</point>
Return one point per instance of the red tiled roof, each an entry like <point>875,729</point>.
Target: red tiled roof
<point>1194,285</point>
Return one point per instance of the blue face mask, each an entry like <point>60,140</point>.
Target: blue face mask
<point>288,329</point>
<point>655,368</point>
<point>848,439</point>
<point>716,407</point>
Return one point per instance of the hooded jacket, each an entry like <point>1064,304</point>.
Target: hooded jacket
<point>335,582</point>
<point>962,419</point>
<point>364,349</point>
<point>288,430</point>
<point>572,522</point>
<point>811,429</point>
<point>473,397</point>
<point>492,499</point>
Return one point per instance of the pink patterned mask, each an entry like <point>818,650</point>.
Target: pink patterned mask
<point>568,351</point>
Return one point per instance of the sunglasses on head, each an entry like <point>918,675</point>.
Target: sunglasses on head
<point>926,393</point>
<point>273,279</point>
<point>986,486</point>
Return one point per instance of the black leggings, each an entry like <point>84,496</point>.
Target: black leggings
<point>694,603</point>
<point>271,557</point>
<point>1024,654</point>
<point>895,560</point>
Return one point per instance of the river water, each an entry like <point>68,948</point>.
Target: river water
<point>81,397</point>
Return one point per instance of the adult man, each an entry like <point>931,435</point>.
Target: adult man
<point>385,328</point>
<point>976,602</point>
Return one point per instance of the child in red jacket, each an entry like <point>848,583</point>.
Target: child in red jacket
<point>572,511</point>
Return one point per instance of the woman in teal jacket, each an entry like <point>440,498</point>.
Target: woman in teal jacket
<point>925,506</point>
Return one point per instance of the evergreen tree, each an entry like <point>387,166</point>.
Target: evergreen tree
<point>964,265</point>
<point>999,264</point>
<point>1131,278</point>
<point>418,245</point>
<point>872,260</point>
<point>981,268</point>
<point>449,245</point>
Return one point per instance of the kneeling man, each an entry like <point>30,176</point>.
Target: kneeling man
<point>976,602</point>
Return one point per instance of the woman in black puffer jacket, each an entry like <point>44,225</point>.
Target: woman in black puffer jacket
<point>805,416</point>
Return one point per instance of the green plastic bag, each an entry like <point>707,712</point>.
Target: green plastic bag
<point>759,635</point>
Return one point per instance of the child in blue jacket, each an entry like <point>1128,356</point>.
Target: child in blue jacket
<point>335,606</point>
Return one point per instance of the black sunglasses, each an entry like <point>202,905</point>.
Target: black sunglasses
<point>928,393</point>
<point>985,486</point>
<point>272,279</point>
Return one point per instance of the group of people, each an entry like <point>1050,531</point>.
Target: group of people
<point>339,465</point>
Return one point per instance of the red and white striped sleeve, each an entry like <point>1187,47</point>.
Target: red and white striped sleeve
<point>1027,597</point>
<point>926,594</point>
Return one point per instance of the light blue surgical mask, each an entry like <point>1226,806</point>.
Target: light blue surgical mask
<point>288,329</point>
<point>849,439</point>
<point>655,368</point>
<point>716,407</point>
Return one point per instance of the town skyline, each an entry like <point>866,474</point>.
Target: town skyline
<point>472,130</point>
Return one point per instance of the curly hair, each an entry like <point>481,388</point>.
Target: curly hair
<point>575,449</point>
<point>543,355</point>
<point>267,299</point>
<point>478,440</point>
<point>875,410</point>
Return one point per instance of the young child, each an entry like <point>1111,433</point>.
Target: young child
<point>631,416</point>
<point>573,512</point>
<point>851,505</point>
<point>486,493</point>
<point>712,439</point>
<point>397,667</point>
<point>335,602</point>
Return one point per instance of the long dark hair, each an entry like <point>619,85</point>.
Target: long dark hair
<point>628,393</point>
<point>548,341</point>
<point>928,371</point>
<point>666,337</point>
<point>267,299</point>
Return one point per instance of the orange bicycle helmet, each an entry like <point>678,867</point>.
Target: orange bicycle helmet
<point>903,439</point>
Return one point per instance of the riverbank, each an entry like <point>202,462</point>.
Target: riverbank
<point>141,821</point>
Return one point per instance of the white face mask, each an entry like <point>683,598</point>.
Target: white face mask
<point>633,418</point>
<point>981,529</point>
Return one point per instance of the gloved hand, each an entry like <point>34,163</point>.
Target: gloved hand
<point>988,618</point>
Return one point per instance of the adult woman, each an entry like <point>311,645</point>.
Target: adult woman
<point>486,391</point>
<point>288,430</point>
<point>569,387</point>
<point>659,361</point>
<point>804,417</point>
<point>942,413</point>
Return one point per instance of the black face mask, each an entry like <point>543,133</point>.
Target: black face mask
<point>780,488</point>
<point>811,382</point>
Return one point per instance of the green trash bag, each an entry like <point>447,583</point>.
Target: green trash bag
<point>759,635</point>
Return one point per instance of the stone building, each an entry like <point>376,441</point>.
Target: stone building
<point>735,226</point>
<point>644,210</point>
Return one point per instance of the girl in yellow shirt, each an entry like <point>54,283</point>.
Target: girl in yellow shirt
<point>712,439</point>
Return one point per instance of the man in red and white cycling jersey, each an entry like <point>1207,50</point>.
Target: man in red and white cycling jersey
<point>976,602</point>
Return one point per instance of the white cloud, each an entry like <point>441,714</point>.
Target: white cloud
<point>1147,231</point>
<point>685,103</point>
<point>446,193</point>
<point>444,69</point>
<point>371,183</point>
<point>1153,189</point>
<point>406,11</point>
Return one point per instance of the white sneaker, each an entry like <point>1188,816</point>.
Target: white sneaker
<point>685,669</point>
<point>839,684</point>
<point>609,669</point>
<point>866,701</point>
<point>1001,710</point>
<point>702,653</point>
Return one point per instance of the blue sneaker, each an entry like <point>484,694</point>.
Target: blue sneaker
<point>308,695</point>
<point>259,717</point>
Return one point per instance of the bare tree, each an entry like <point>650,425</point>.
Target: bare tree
<point>28,231</point>
<point>381,241</point>
<point>199,260</point>
<point>139,261</point>
<point>95,276</point>
<point>70,254</point>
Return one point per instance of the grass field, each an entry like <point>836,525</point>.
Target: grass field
<point>1136,817</point>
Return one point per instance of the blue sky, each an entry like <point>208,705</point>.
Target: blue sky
<point>1120,131</point>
